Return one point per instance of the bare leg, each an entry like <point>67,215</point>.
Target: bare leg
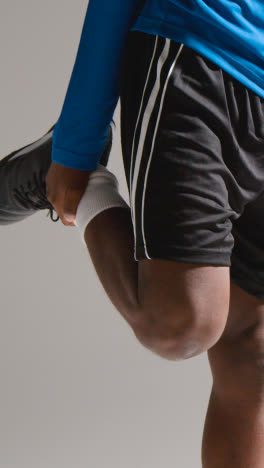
<point>110,241</point>
<point>234,426</point>
<point>156,297</point>
<point>234,432</point>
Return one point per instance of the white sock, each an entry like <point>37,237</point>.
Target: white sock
<point>100,194</point>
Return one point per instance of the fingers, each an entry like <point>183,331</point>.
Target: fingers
<point>64,190</point>
<point>66,205</point>
<point>72,200</point>
<point>66,213</point>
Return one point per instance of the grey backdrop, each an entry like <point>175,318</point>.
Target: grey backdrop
<point>77,389</point>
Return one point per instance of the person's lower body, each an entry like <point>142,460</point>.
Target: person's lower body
<point>193,149</point>
<point>192,141</point>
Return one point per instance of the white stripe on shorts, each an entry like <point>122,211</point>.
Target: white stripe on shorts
<point>143,131</point>
<point>142,100</point>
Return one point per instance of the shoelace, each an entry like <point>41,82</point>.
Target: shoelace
<point>34,196</point>
<point>38,191</point>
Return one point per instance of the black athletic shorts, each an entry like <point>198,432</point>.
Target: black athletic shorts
<point>192,139</point>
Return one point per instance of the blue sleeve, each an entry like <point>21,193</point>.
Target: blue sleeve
<point>80,134</point>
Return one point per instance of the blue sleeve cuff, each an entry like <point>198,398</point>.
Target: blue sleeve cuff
<point>76,161</point>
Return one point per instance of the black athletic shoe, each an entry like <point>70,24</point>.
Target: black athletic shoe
<point>22,178</point>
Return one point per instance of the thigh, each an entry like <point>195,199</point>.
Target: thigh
<point>184,293</point>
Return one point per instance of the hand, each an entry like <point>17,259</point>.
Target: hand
<point>64,189</point>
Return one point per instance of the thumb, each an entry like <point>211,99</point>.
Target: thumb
<point>71,204</point>
<point>70,212</point>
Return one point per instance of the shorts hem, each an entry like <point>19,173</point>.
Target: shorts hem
<point>183,255</point>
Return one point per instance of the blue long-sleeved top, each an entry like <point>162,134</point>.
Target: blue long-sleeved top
<point>228,32</point>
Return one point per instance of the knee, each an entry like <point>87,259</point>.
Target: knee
<point>237,366</point>
<point>252,344</point>
<point>178,335</point>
